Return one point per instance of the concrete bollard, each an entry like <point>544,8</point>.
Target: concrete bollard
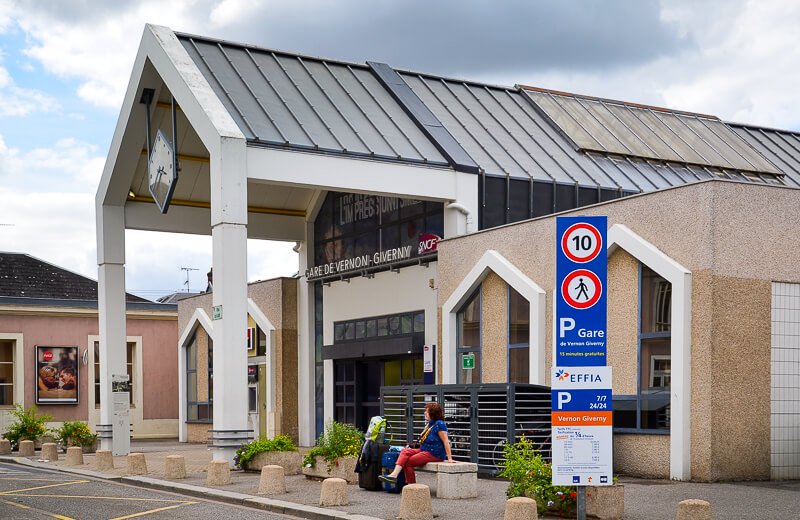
<point>50,451</point>
<point>26,449</point>
<point>137,465</point>
<point>272,481</point>
<point>5,447</point>
<point>103,460</point>
<point>74,456</point>
<point>693,509</point>
<point>520,508</point>
<point>334,492</point>
<point>219,473</point>
<point>175,467</point>
<point>415,503</point>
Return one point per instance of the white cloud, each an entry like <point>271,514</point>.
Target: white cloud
<point>16,101</point>
<point>68,166</point>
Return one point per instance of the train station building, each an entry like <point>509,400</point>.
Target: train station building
<point>423,209</point>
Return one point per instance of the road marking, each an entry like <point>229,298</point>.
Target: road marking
<point>21,506</point>
<point>153,511</point>
<point>7,493</point>
<point>105,498</point>
<point>51,515</point>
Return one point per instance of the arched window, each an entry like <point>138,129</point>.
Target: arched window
<point>468,352</point>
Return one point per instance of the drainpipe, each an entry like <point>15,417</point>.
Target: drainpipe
<point>464,211</point>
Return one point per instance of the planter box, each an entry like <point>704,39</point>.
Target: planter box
<point>605,502</point>
<point>345,468</point>
<point>290,461</point>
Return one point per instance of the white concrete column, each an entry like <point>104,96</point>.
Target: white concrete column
<point>111,314</point>
<point>680,458</point>
<point>229,260</point>
<point>306,350</point>
<point>461,215</point>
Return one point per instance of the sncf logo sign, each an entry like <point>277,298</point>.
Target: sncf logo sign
<point>428,243</point>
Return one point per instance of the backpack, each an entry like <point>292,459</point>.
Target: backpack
<point>376,429</point>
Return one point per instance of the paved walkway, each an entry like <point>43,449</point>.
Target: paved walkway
<point>644,499</point>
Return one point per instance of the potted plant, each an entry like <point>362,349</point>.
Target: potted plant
<point>531,476</point>
<point>279,451</point>
<point>335,454</point>
<point>76,433</point>
<point>28,426</point>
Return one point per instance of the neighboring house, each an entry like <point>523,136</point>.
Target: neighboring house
<point>51,310</point>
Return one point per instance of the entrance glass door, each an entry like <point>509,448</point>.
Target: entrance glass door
<point>358,385</point>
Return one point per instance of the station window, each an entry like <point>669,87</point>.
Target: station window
<point>129,353</point>
<point>649,409</point>
<point>403,324</point>
<point>518,337</point>
<point>199,379</point>
<point>469,341</point>
<point>7,373</point>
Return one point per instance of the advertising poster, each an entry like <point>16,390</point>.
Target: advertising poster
<point>57,375</point>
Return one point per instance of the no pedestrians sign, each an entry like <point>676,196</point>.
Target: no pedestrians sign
<point>581,272</point>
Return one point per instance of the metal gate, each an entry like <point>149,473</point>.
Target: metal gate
<point>480,419</point>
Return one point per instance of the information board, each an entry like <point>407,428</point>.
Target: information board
<point>582,425</point>
<point>581,272</point>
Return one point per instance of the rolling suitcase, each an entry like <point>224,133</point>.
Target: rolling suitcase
<point>371,468</point>
<point>388,460</point>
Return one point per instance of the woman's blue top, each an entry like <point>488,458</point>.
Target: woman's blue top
<point>433,444</point>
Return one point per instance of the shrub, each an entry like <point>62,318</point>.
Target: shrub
<point>338,440</point>
<point>75,433</point>
<point>248,451</point>
<point>531,476</point>
<point>27,427</point>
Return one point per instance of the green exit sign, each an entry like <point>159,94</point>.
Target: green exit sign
<point>468,361</point>
<point>216,312</point>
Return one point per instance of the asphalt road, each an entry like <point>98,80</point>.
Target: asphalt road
<point>29,493</point>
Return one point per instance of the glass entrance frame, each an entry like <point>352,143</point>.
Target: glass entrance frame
<point>470,333</point>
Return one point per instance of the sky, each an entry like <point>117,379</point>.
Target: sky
<point>65,65</point>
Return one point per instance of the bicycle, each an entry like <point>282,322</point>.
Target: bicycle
<point>540,434</point>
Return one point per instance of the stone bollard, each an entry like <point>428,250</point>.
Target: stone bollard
<point>415,503</point>
<point>693,509</point>
<point>175,467</point>
<point>5,447</point>
<point>103,460</point>
<point>334,492</point>
<point>50,451</point>
<point>74,456</point>
<point>272,481</point>
<point>137,465</point>
<point>26,448</point>
<point>520,508</point>
<point>219,473</point>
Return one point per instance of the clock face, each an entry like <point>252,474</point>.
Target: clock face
<point>161,172</point>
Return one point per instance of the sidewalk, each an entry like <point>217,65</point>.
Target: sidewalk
<point>644,499</point>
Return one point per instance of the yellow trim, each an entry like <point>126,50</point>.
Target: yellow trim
<point>207,205</point>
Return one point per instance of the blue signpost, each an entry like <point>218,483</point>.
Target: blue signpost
<point>581,267</point>
<point>581,415</point>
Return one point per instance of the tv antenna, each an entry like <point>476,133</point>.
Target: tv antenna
<point>187,269</point>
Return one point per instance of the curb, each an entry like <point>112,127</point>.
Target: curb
<point>217,495</point>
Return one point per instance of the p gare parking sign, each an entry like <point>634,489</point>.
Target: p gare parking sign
<point>581,267</point>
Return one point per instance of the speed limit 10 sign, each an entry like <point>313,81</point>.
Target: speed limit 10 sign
<point>581,272</point>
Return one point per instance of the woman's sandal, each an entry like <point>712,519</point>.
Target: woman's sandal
<point>388,479</point>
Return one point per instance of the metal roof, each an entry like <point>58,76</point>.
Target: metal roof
<point>306,103</point>
<point>781,147</point>
<point>287,100</point>
<point>633,130</point>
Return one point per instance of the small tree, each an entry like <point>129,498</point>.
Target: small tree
<point>28,426</point>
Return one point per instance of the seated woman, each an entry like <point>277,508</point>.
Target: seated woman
<point>433,447</point>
